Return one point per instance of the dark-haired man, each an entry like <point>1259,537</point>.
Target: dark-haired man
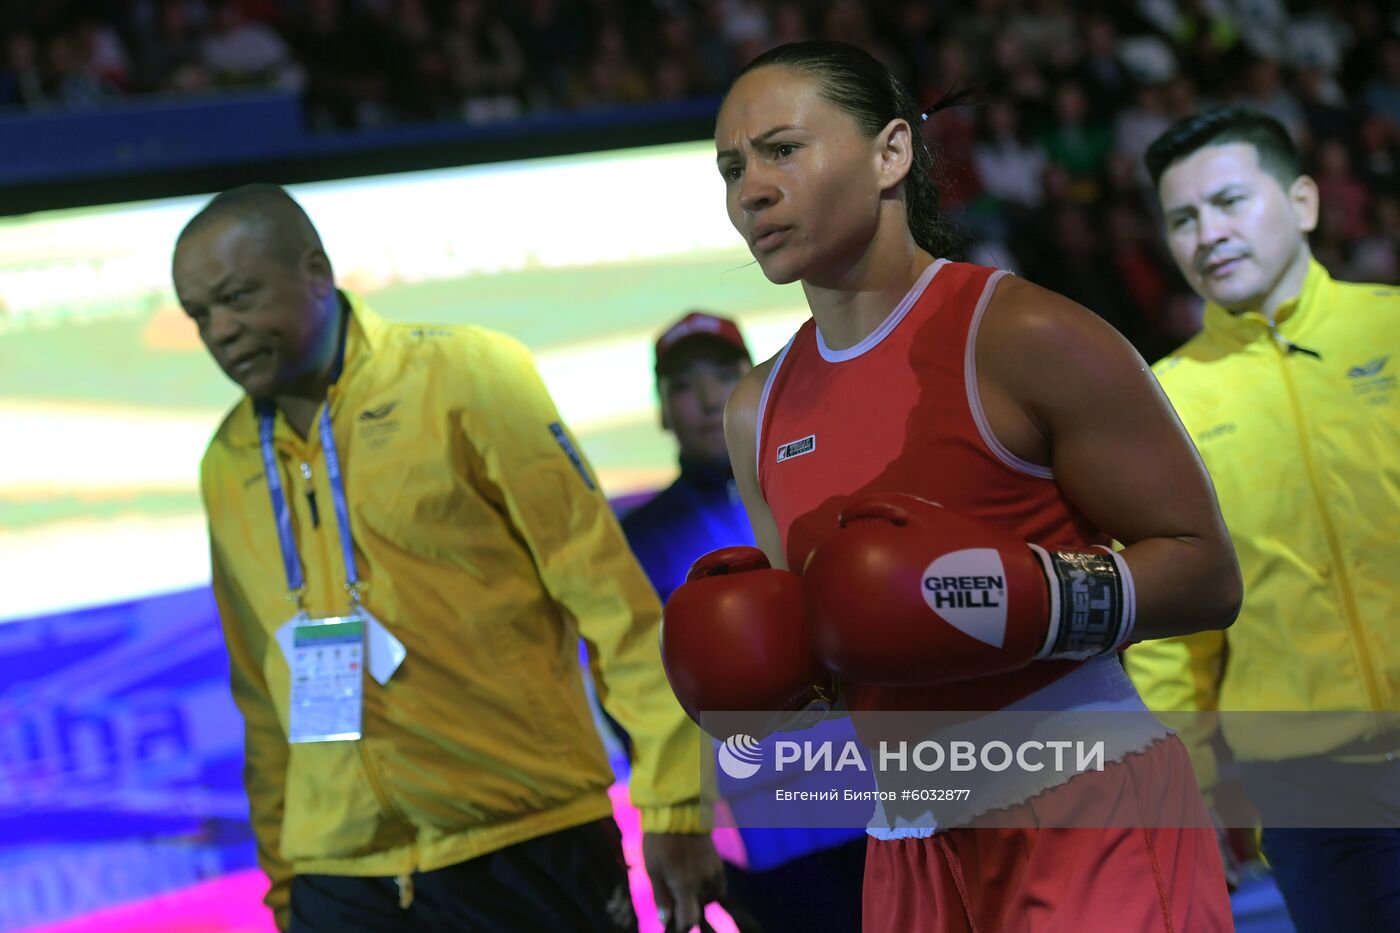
<point>1290,392</point>
<point>402,619</point>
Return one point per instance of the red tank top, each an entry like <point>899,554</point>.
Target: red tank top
<point>900,412</point>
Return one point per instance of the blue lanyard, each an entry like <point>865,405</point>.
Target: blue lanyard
<point>291,560</point>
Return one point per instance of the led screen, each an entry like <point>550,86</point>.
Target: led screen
<point>107,399</point>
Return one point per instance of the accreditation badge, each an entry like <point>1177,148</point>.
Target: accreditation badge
<point>327,661</point>
<point>326,657</point>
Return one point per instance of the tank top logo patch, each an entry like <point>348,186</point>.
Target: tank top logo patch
<point>967,589</point>
<point>797,448</point>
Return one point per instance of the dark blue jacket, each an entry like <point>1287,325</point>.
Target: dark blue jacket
<point>697,513</point>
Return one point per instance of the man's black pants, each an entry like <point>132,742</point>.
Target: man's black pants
<point>572,880</point>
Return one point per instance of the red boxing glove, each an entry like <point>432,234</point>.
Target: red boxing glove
<point>733,638</point>
<point>908,592</point>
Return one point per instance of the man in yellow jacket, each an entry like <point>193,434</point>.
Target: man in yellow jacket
<point>1290,391</point>
<point>407,544</point>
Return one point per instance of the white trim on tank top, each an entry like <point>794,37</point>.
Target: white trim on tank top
<point>887,326</point>
<point>850,353</point>
<point>763,406</point>
<point>974,395</point>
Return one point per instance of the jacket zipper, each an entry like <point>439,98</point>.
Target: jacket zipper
<point>310,495</point>
<point>328,559</point>
<point>376,786</point>
<point>371,775</point>
<point>1329,530</point>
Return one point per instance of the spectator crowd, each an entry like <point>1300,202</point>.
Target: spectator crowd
<point>1041,167</point>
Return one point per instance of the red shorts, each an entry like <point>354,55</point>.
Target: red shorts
<point>1028,877</point>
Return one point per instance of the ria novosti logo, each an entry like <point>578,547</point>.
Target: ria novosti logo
<point>740,756</point>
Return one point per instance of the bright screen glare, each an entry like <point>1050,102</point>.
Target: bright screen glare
<point>108,399</point>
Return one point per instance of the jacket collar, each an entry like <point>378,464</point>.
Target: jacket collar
<point>364,332</point>
<point>703,475</point>
<point>1292,317</point>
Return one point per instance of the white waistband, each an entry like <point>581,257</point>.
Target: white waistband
<point>1099,685</point>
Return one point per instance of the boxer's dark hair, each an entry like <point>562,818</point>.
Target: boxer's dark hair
<point>852,79</point>
<point>1277,154</point>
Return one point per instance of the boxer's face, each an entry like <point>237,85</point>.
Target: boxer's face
<point>802,182</point>
<point>269,321</point>
<point>1236,234</point>
<point>693,394</point>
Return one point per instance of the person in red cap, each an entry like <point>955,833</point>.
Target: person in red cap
<point>699,361</point>
<point>793,879</point>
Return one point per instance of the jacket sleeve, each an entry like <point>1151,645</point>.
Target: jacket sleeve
<point>583,560</point>
<point>264,741</point>
<point>1182,675</point>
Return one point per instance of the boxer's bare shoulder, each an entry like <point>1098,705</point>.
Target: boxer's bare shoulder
<point>1041,356</point>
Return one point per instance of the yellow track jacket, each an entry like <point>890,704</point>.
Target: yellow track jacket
<point>1299,426</point>
<point>486,548</point>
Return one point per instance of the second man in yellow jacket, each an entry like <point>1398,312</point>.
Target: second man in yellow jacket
<point>1290,392</point>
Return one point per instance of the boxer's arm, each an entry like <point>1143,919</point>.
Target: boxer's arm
<point>1061,387</point>
<point>740,436</point>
